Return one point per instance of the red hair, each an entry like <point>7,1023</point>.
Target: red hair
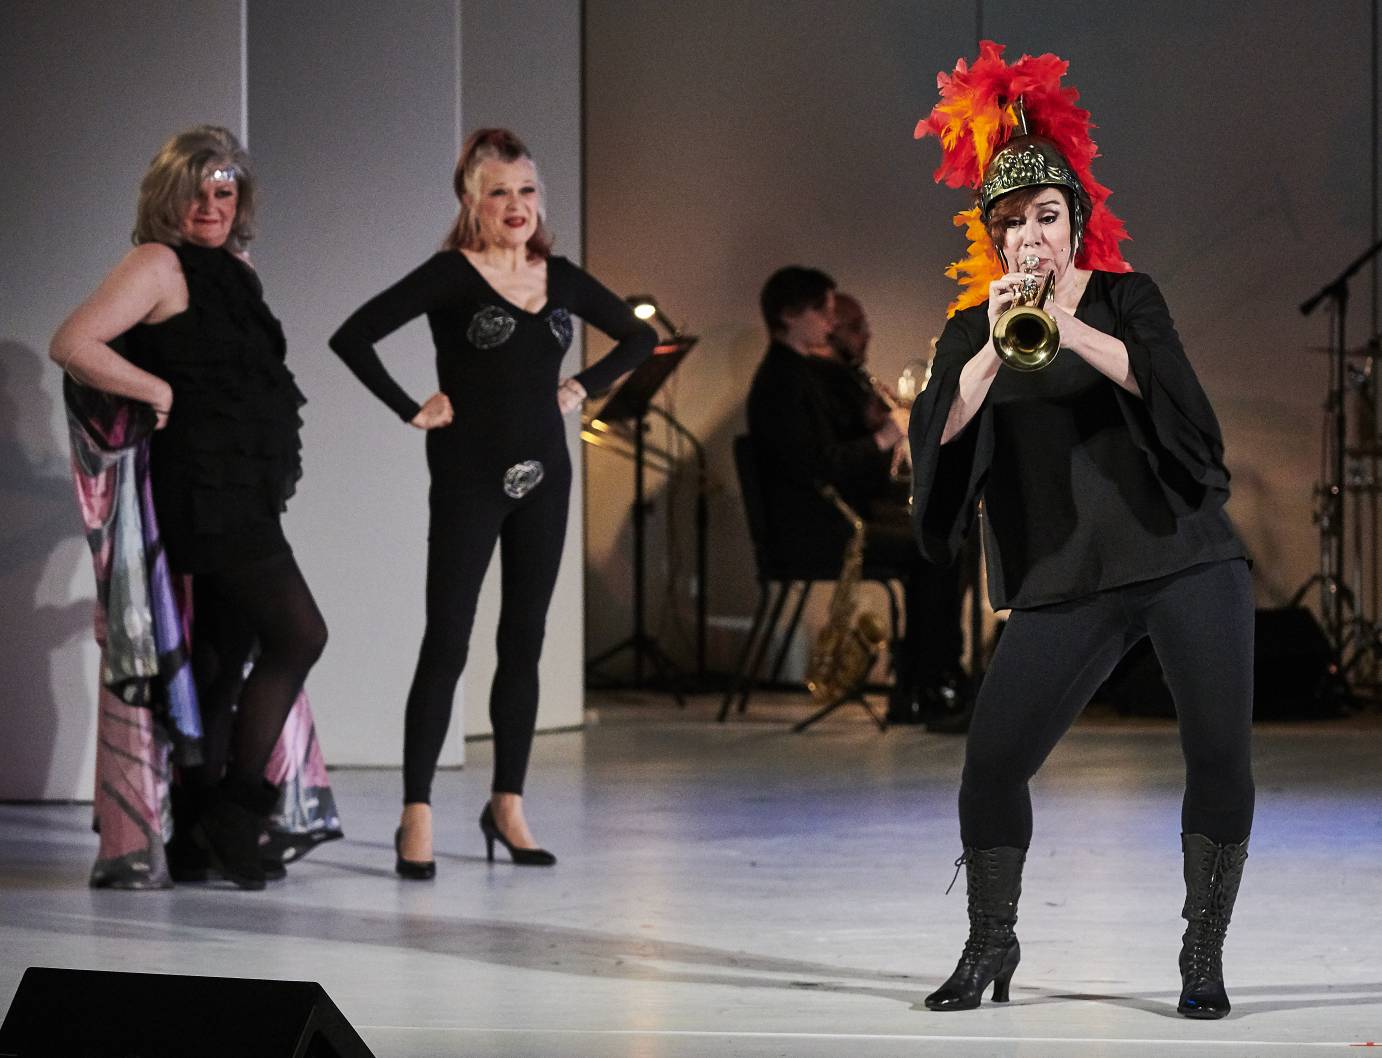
<point>1014,204</point>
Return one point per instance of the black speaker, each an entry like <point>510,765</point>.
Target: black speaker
<point>1292,674</point>
<point>103,1014</point>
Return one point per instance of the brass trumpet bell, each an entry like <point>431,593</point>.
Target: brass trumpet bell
<point>1026,337</point>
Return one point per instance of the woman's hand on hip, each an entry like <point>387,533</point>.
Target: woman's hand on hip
<point>436,412</point>
<point>570,395</point>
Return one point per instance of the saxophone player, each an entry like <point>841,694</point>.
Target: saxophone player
<point>811,423</point>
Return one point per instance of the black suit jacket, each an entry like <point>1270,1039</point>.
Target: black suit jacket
<point>809,424</point>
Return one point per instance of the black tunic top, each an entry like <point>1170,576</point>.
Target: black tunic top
<point>809,423</point>
<point>499,364</point>
<point>227,461</point>
<point>1085,486</point>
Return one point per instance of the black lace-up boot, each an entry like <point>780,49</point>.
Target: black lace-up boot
<point>994,882</point>
<point>1212,875</point>
<point>187,861</point>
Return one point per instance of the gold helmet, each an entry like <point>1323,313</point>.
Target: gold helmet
<point>1028,160</point>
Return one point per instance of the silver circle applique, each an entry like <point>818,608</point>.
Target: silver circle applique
<point>521,478</point>
<point>489,327</point>
<point>560,323</point>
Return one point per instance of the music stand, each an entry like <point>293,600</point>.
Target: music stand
<point>632,403</point>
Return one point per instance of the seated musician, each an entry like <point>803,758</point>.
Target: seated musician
<point>814,419</point>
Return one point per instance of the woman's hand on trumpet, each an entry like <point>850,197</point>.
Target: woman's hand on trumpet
<point>1003,294</point>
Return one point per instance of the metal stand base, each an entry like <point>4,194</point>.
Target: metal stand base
<point>645,648</point>
<point>854,695</point>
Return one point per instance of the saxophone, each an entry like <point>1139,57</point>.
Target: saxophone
<point>846,648</point>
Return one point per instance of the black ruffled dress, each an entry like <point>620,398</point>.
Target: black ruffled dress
<point>223,468</point>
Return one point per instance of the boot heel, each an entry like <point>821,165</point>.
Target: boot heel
<point>1001,985</point>
<point>1003,979</point>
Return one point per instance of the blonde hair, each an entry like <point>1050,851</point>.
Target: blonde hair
<point>174,177</point>
<point>486,145</point>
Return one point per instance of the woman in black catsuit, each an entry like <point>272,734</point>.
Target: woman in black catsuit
<point>197,343</point>
<point>1103,485</point>
<point>501,310</point>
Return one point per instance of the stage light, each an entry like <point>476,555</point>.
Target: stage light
<point>645,307</point>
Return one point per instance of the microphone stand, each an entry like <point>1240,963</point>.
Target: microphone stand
<point>1331,517</point>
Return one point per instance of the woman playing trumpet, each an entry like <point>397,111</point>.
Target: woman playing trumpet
<point>1103,485</point>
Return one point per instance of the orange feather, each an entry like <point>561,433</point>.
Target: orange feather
<point>974,118</point>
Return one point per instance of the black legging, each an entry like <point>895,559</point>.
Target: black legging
<point>464,527</point>
<point>265,603</point>
<point>1050,661</point>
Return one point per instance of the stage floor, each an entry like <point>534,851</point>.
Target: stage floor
<point>739,890</point>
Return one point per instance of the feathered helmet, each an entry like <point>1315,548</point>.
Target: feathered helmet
<point>1006,127</point>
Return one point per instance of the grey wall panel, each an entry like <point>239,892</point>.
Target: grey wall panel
<point>88,92</point>
<point>520,68</point>
<point>353,121</point>
<point>355,130</point>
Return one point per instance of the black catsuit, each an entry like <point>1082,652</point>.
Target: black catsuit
<point>499,472</point>
<point>1103,523</point>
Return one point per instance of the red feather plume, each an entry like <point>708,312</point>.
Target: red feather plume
<point>974,118</point>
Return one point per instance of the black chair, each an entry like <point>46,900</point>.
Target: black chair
<point>777,578</point>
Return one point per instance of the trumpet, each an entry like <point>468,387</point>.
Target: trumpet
<point>1026,336</point>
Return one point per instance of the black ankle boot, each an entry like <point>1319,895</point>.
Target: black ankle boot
<point>1212,875</point>
<point>994,882</point>
<point>187,861</point>
<point>231,822</point>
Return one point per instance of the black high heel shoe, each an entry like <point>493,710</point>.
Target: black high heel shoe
<point>522,857</point>
<point>413,870</point>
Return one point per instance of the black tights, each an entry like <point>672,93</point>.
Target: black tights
<point>267,604</point>
<point>461,541</point>
<point>1052,659</point>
